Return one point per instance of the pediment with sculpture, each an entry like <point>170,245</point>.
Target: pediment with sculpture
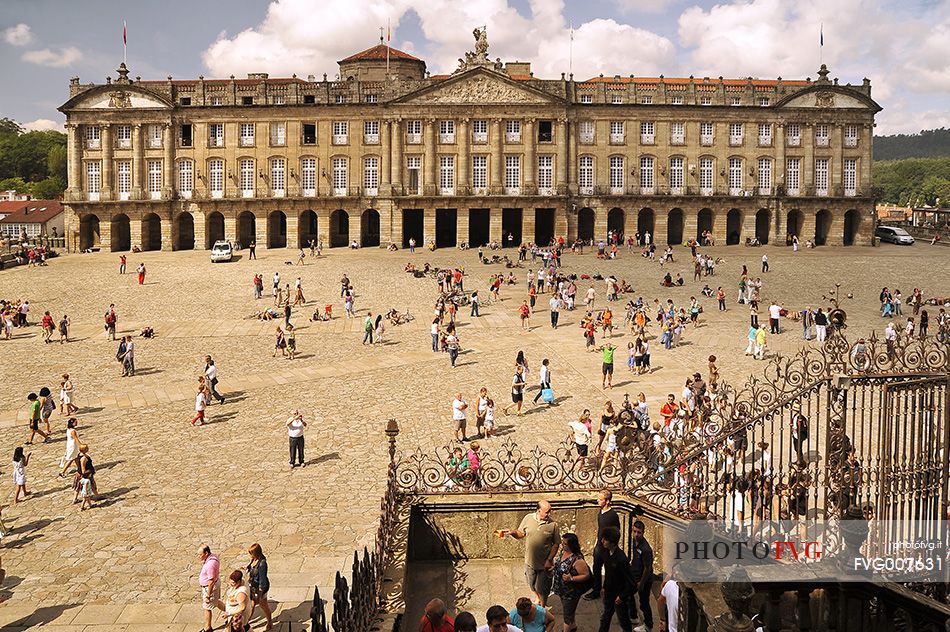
<point>476,87</point>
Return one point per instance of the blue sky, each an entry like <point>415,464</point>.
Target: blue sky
<point>903,47</point>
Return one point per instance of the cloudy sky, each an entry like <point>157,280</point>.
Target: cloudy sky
<point>903,46</point>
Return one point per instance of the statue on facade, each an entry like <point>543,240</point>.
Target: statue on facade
<point>479,56</point>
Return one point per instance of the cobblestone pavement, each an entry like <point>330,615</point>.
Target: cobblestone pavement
<point>167,487</point>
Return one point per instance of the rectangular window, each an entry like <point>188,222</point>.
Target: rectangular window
<point>446,131</point>
<point>413,132</point>
<point>735,134</point>
<point>371,175</point>
<point>370,132</point>
<point>92,137</point>
<point>587,98</point>
<point>309,134</point>
<point>308,176</point>
<point>246,177</point>
<point>512,131</point>
<point>821,135</point>
<point>123,136</point>
<point>677,133</point>
<point>793,175</point>
<point>340,98</point>
<point>793,135</point>
<point>676,175</point>
<point>705,176</point>
<point>278,134</point>
<point>821,176</point>
<point>185,135</point>
<point>340,176</point>
<point>545,131</point>
<point>480,173</point>
<point>706,134</point>
<point>446,175</point>
<point>616,175</point>
<point>123,178</point>
<point>341,132</point>
<point>616,132</point>
<point>216,134</point>
<point>850,177</point>
<point>217,101</point>
<point>216,177</point>
<point>765,176</point>
<point>616,99</point>
<point>371,98</point>
<point>309,99</point>
<point>585,176</point>
<point>278,100</point>
<point>735,101</point>
<point>647,182</point>
<point>705,100</point>
<point>185,101</point>
<point>414,166</point>
<point>763,102</point>
<point>546,175</point>
<point>154,136</point>
<point>765,134</point>
<point>735,176</point>
<point>480,131</point>
<point>646,100</point>
<point>186,178</point>
<point>646,133</point>
<point>850,135</point>
<point>512,175</point>
<point>677,101</point>
<point>154,182</point>
<point>247,100</point>
<point>586,132</point>
<point>278,177</point>
<point>246,137</point>
<point>93,179</point>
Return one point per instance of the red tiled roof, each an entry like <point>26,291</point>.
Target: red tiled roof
<point>378,52</point>
<point>728,82</point>
<point>30,211</point>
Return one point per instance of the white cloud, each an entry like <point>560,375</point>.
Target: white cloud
<point>645,6</point>
<point>42,125</point>
<point>19,35</point>
<point>53,59</point>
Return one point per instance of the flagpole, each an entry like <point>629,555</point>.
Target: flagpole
<point>570,58</point>
<point>125,44</point>
<point>821,43</point>
<point>388,37</point>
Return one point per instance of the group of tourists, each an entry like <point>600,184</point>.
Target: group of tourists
<point>246,590</point>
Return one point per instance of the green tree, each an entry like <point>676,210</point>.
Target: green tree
<point>9,127</point>
<point>49,189</point>
<point>14,184</point>
<point>56,161</point>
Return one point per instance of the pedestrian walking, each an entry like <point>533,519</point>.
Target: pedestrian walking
<point>48,327</point>
<point>452,344</point>
<point>238,604</point>
<point>141,273</point>
<point>211,379</point>
<point>20,461</point>
<point>128,358</point>
<point>73,444</point>
<point>524,312</point>
<point>210,587</point>
<point>368,329</point>
<point>35,415</point>
<point>765,263</point>
<point>280,343</point>
<point>517,391</point>
<point>66,394</point>
<point>434,330</point>
<point>474,301</point>
<point>64,329</point>
<point>542,538</point>
<point>555,305</point>
<point>201,402</point>
<point>47,407</point>
<point>257,580</point>
<point>608,363</point>
<point>252,248</point>
<point>618,583</point>
<point>544,386</point>
<point>291,337</point>
<point>641,570</point>
<point>295,429</point>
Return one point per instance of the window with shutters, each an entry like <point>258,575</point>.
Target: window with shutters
<point>93,179</point>
<point>546,175</point>
<point>246,137</point>
<point>123,178</point>
<point>706,176</point>
<point>677,133</point>
<point>370,132</point>
<point>849,176</point>
<point>616,132</point>
<point>765,134</point>
<point>413,132</point>
<point>793,175</point>
<point>278,134</point>
<point>414,167</point>
<point>646,133</point>
<point>585,175</point>
<point>278,177</point>
<point>446,175</point>
<point>586,132</point>
<point>186,178</point>
<point>480,174</point>
<point>446,131</point>
<point>822,135</point>
<point>154,178</point>
<point>480,131</point>
<point>676,175</point>
<point>341,132</point>
<point>793,135</point>
<point>765,176</point>
<point>340,176</point>
<point>821,176</point>
<point>154,136</point>
<point>512,131</point>
<point>647,181</point>
<point>371,175</point>
<point>123,136</point>
<point>216,135</point>
<point>616,175</point>
<point>850,135</point>
<point>512,175</point>
<point>706,134</point>
<point>587,98</point>
<point>92,137</point>
<point>735,134</point>
<point>735,176</point>
<point>216,177</point>
<point>308,176</point>
<point>246,177</point>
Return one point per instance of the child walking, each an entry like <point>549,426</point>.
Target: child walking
<point>20,461</point>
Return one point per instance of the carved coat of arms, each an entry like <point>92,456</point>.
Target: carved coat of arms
<point>120,99</point>
<point>825,99</point>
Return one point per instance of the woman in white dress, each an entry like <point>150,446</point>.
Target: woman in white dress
<point>72,447</point>
<point>20,461</point>
<point>66,396</point>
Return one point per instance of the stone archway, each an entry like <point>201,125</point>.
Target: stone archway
<point>674,226</point>
<point>339,229</point>
<point>615,222</point>
<point>369,228</point>
<point>704,223</point>
<point>214,228</point>
<point>822,226</point>
<point>585,224</point>
<point>763,219</point>
<point>277,230</point>
<point>307,229</point>
<point>89,232</point>
<point>852,226</point>
<point>646,220</point>
<point>120,234</point>
<point>733,227</point>
<point>794,223</point>
<point>151,232</point>
<point>246,229</point>
<point>184,232</point>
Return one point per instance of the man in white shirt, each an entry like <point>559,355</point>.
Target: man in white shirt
<point>668,603</point>
<point>458,416</point>
<point>295,428</point>
<point>580,435</point>
<point>765,263</point>
<point>555,304</point>
<point>497,618</point>
<point>775,311</point>
<point>211,377</point>
<point>544,379</point>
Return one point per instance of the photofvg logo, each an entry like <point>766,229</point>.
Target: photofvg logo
<point>808,551</point>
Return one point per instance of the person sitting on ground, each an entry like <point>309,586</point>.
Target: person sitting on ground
<point>667,280</point>
<point>679,279</point>
<point>147,332</point>
<point>707,291</point>
<point>410,267</point>
<point>392,247</point>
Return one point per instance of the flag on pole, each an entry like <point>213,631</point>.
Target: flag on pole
<point>388,31</point>
<point>124,34</point>
<point>821,35</point>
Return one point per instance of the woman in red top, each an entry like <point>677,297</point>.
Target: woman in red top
<point>48,327</point>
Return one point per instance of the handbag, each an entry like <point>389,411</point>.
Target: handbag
<point>547,395</point>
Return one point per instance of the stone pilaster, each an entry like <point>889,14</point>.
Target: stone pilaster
<point>135,232</point>
<point>166,232</point>
<point>571,154</point>
<point>430,159</point>
<point>168,164</point>
<point>74,168</point>
<point>260,231</point>
<point>397,159</point>
<point>428,226</point>
<point>385,176</point>
<point>497,159</point>
<point>660,230</point>
<point>201,222</point>
<point>528,224</point>
<point>356,226</point>
<point>530,176</point>
<point>494,225</point>
<point>461,225</point>
<point>230,227</point>
<point>462,138</point>
<point>138,163</point>
<point>293,236</point>
<point>108,168</point>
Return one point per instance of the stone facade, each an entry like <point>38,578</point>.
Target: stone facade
<point>486,152</point>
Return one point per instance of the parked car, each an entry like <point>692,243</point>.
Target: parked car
<point>221,251</point>
<point>894,235</point>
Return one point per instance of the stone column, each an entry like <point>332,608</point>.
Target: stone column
<point>293,237</point>
<point>779,236</point>
<point>690,223</point>
<point>356,226</point>
<point>230,226</point>
<point>386,223</point>
<point>836,169</point>
<point>168,168</point>
<point>430,182</point>
<point>396,166</point>
<point>562,222</point>
<point>105,235</point>
<point>864,162</point>
<point>200,222</point>
<point>808,224</point>
<point>836,227</point>
<point>497,160</point>
<point>528,224</point>
<point>600,222</point>
<point>428,226</point>
<point>166,230</point>
<point>562,157</point>
<point>74,154</point>
<point>138,162</point>
<point>530,177</point>
<point>385,187</point>
<point>494,225</point>
<point>660,228</point>
<point>260,229</point>
<point>461,171</point>
<point>461,225</point>
<point>720,224</point>
<point>571,155</point>
<point>135,232</point>
<point>108,171</point>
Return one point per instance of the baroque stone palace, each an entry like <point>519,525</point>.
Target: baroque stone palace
<point>390,152</point>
